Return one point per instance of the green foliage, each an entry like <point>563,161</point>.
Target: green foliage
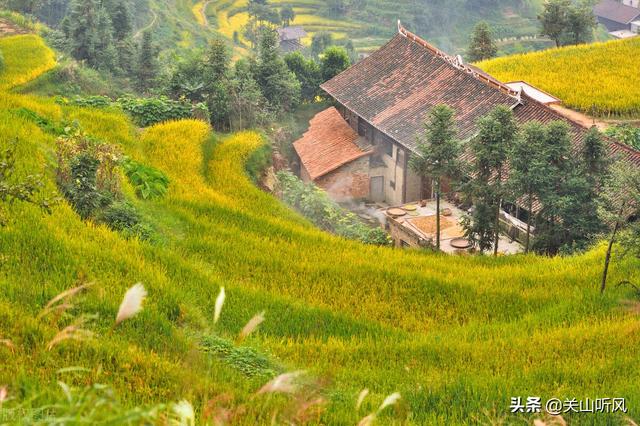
<point>44,123</point>
<point>566,22</point>
<point>482,46</point>
<point>216,63</point>
<point>123,217</point>
<point>148,111</point>
<point>258,162</point>
<point>277,83</point>
<point>82,190</point>
<point>287,15</point>
<point>437,153</point>
<point>313,203</point>
<point>320,42</point>
<point>333,61</point>
<point>308,74</point>
<point>246,360</point>
<point>625,133</point>
<point>496,136</point>
<point>148,182</point>
<point>147,65</point>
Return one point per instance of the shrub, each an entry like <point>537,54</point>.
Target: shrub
<point>258,162</point>
<point>626,134</point>
<point>122,217</point>
<point>82,190</point>
<point>148,182</point>
<point>325,213</point>
<point>148,111</point>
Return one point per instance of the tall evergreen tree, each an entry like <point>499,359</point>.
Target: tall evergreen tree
<point>216,83</point>
<point>482,45</point>
<point>528,175</point>
<point>496,136</point>
<point>246,101</point>
<point>595,157</point>
<point>122,21</point>
<point>147,66</point>
<point>81,23</point>
<point>437,153</point>
<point>277,83</point>
<point>105,54</point>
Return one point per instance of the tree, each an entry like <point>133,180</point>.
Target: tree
<point>81,24</point>
<point>319,42</point>
<point>437,153</point>
<point>105,54</point>
<point>308,74</point>
<point>482,45</point>
<point>334,60</point>
<point>620,202</point>
<point>122,21</point>
<point>187,78</point>
<point>528,175</point>
<point>568,23</point>
<point>216,82</point>
<point>246,102</point>
<point>580,23</point>
<point>287,15</point>
<point>147,69</point>
<point>554,19</point>
<point>595,157</point>
<point>497,132</point>
<point>277,83</point>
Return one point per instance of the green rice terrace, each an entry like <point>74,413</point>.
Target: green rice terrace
<point>456,337</point>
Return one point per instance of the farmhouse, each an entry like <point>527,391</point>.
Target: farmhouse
<point>290,38</point>
<point>620,18</point>
<point>361,148</point>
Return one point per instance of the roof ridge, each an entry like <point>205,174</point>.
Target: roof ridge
<point>458,63</point>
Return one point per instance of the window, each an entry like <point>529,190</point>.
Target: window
<point>392,184</point>
<point>404,244</point>
<point>364,129</point>
<point>388,148</point>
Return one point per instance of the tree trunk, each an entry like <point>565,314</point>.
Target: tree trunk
<point>496,238</point>
<point>528,237</point>
<point>438,213</point>
<point>607,258</point>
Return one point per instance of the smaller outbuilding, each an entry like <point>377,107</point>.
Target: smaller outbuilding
<point>291,38</point>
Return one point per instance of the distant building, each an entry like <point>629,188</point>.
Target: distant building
<point>290,38</point>
<point>618,17</point>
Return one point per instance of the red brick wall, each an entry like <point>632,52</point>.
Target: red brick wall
<point>347,182</point>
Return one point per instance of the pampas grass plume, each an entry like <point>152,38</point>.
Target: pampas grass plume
<point>218,307</point>
<point>132,303</point>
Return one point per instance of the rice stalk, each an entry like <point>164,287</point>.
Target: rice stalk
<point>53,305</point>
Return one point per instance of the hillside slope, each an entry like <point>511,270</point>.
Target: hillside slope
<point>456,336</point>
<point>600,78</point>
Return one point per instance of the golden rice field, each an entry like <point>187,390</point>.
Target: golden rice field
<point>599,78</point>
<point>456,336</point>
<point>26,57</point>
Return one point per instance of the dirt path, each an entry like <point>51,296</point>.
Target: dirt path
<point>148,27</point>
<point>203,12</point>
<point>8,28</point>
<point>582,118</point>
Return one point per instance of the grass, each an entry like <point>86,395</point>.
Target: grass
<point>598,89</point>
<point>456,336</point>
